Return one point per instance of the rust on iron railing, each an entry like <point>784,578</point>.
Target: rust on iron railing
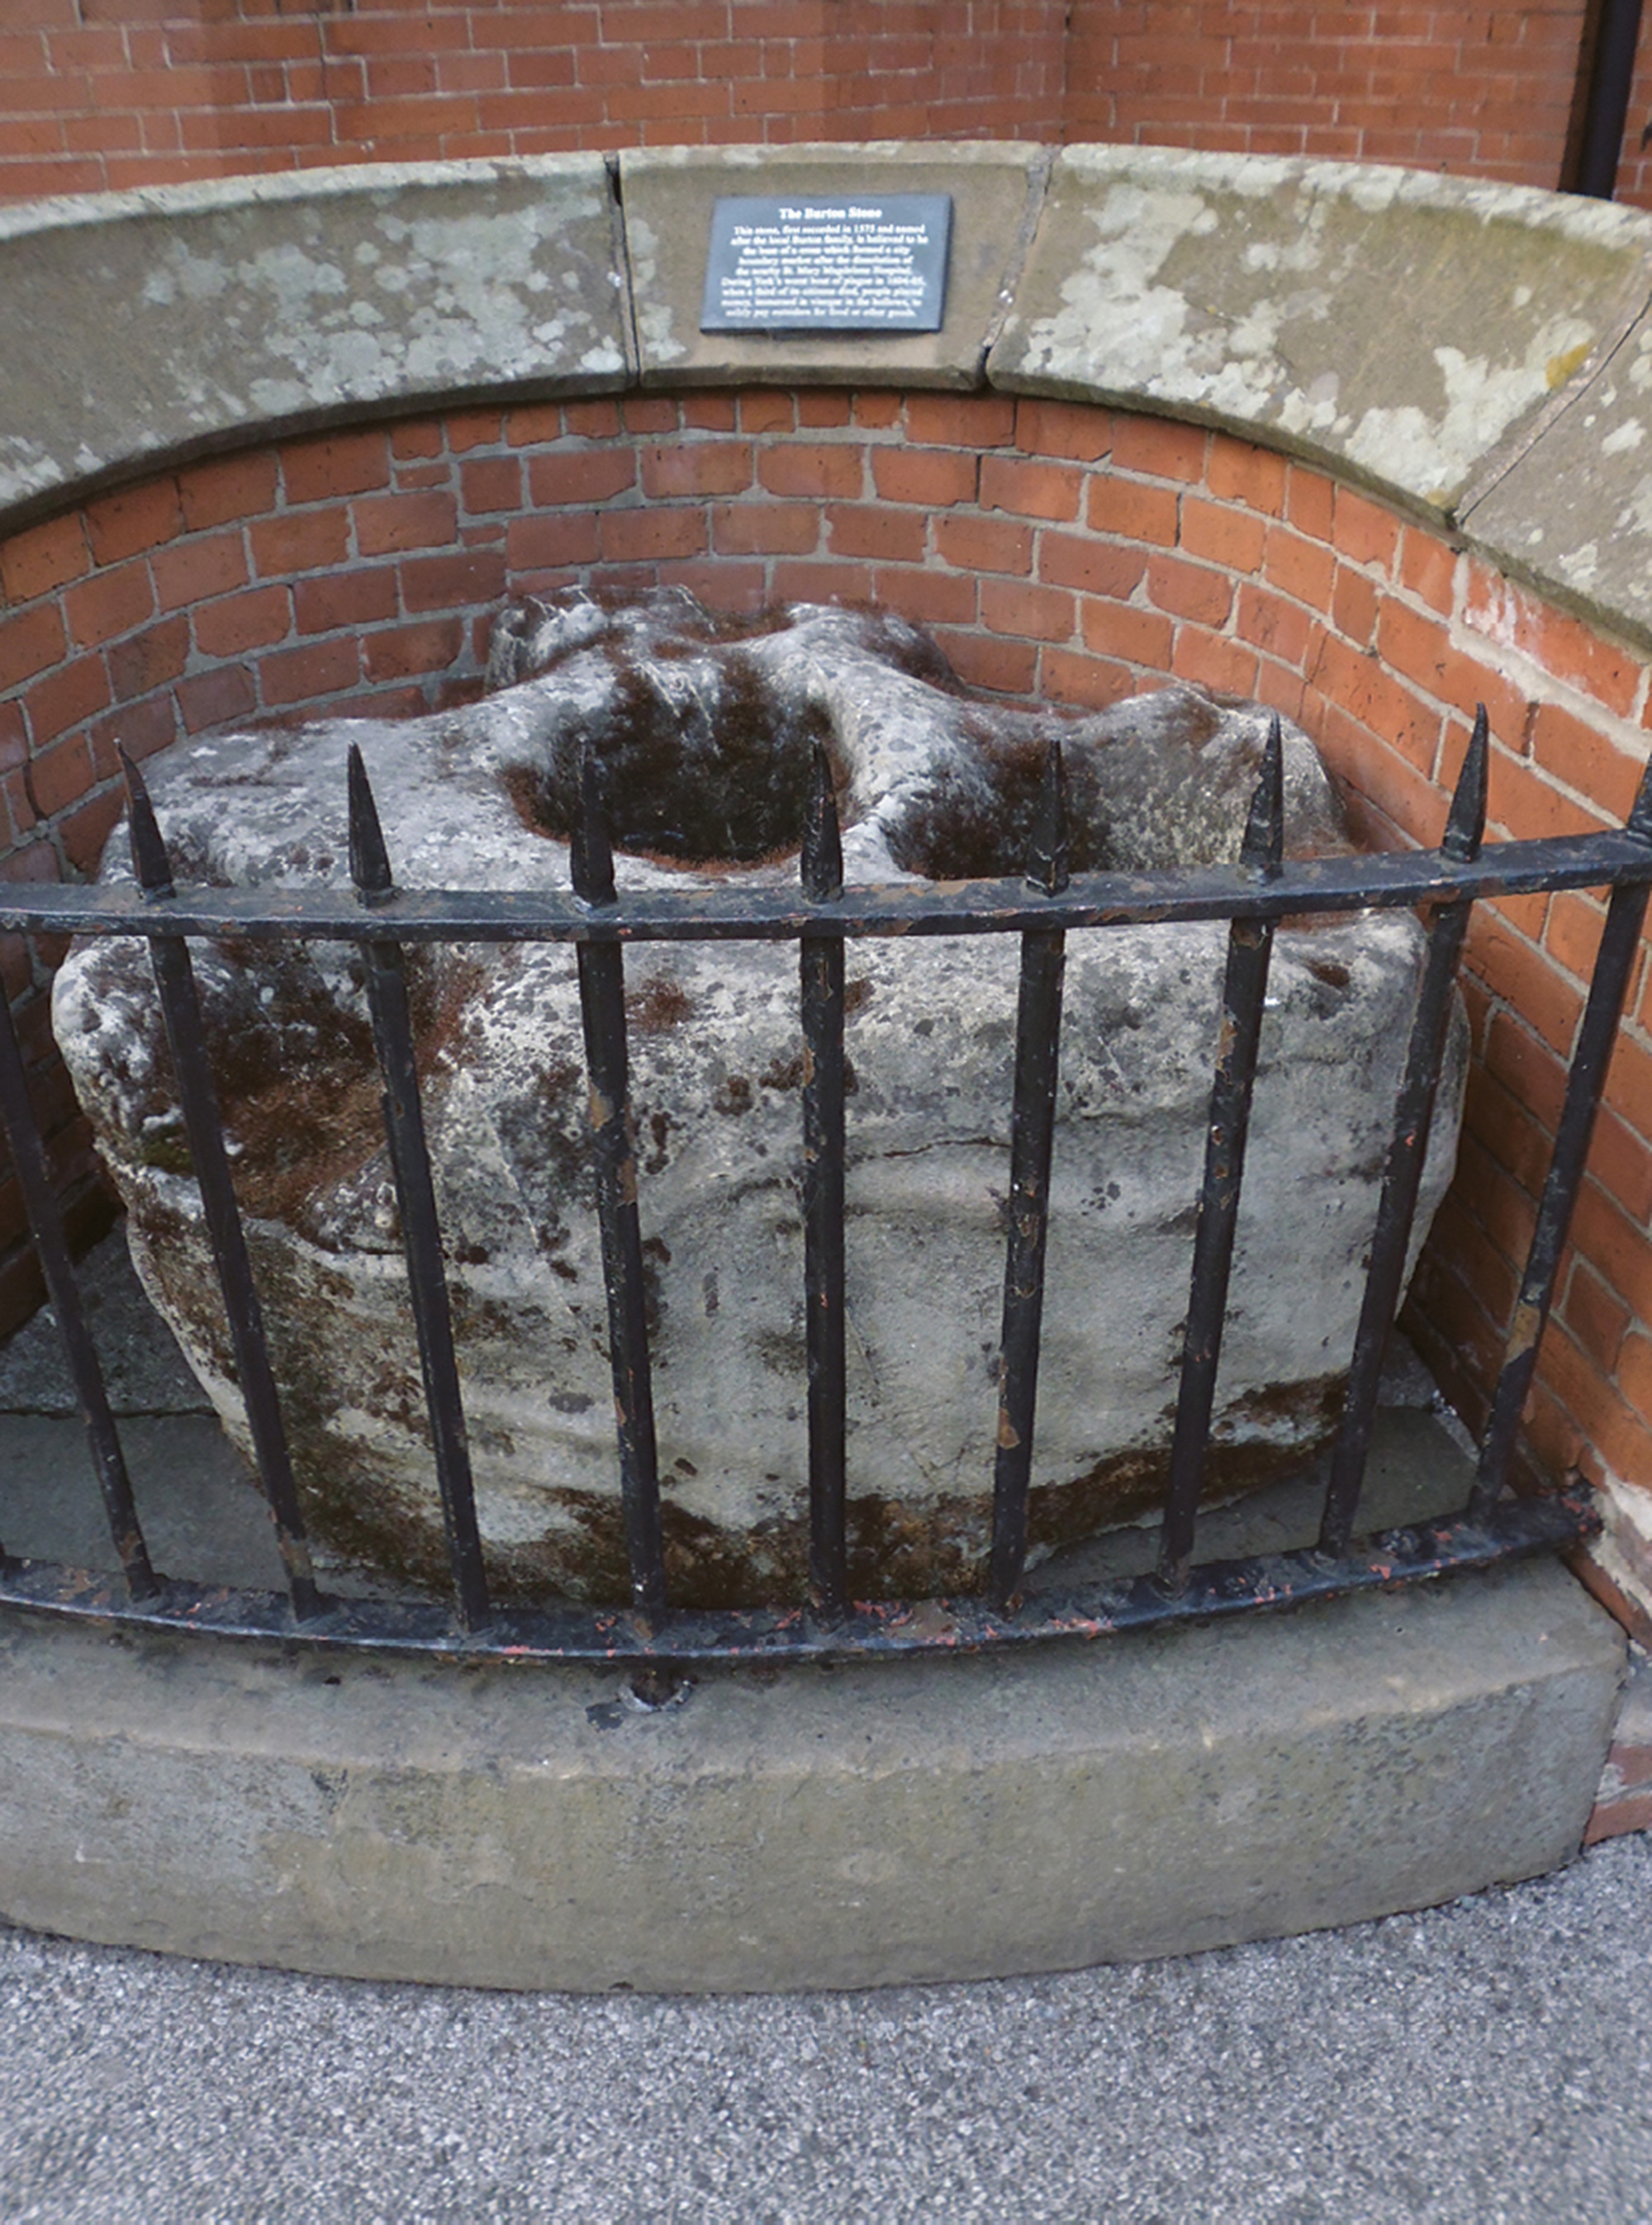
<point>1250,949</point>
<point>821,915</point>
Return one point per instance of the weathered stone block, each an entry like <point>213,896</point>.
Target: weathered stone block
<point>292,302</point>
<point>1260,294</point>
<point>707,736</point>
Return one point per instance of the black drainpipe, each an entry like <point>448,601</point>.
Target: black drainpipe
<point>1611,72</point>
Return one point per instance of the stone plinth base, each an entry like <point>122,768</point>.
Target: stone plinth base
<point>855,1826</point>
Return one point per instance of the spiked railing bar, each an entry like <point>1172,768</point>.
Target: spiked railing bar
<point>174,980</point>
<point>1038,1041</point>
<point>1408,1151</point>
<point>1250,944</point>
<point>602,1012</point>
<point>45,1224</point>
<point>820,958</point>
<point>1393,880</point>
<point>1620,943</point>
<point>392,1026</point>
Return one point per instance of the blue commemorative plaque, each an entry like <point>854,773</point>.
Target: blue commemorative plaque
<point>827,261</point>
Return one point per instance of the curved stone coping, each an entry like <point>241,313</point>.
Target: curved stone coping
<point>970,1817</point>
<point>145,326</point>
<point>1480,355</point>
<point>1396,327</point>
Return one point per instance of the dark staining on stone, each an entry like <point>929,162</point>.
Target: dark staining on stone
<point>734,1095</point>
<point>194,864</point>
<point>657,1254</point>
<point>705,760</point>
<point>544,1133</point>
<point>1159,780</point>
<point>1129,1484</point>
<point>296,1075</point>
<point>658,1004</point>
<point>783,1351</point>
<point>784,1073</point>
<point>657,1126</point>
<point>974,818</point>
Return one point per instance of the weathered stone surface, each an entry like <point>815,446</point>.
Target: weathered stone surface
<point>162,320</point>
<point>892,1821</point>
<point>1395,325</point>
<point>1574,512</point>
<point>932,780</point>
<point>667,194</point>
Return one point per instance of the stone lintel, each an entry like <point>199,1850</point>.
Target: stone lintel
<point>871,1824</point>
<point>668,194</point>
<point>143,327</point>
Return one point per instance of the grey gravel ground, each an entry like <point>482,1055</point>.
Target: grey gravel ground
<point>1491,2061</point>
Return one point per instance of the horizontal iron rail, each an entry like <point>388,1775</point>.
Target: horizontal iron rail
<point>1516,1528</point>
<point>1386,880</point>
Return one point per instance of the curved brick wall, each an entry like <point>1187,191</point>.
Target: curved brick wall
<point>1053,547</point>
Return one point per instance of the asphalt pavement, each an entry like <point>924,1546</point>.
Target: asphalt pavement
<point>1482,2063</point>
<point>1489,2063</point>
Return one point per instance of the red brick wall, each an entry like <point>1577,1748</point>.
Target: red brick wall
<point>1478,92</point>
<point>1052,548</point>
<point>99,93</point>
<point>103,94</point>
<point>1634,164</point>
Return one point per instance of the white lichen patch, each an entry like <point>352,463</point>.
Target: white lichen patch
<point>25,466</point>
<point>650,301</point>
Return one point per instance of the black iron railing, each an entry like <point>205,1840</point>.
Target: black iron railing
<point>820,917</point>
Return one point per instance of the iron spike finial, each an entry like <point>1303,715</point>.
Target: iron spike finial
<point>1639,822</point>
<point>369,859</point>
<point>591,855</point>
<point>1047,867</point>
<point>1263,847</point>
<point>149,860</point>
<point>821,863</point>
<point>1466,821</point>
